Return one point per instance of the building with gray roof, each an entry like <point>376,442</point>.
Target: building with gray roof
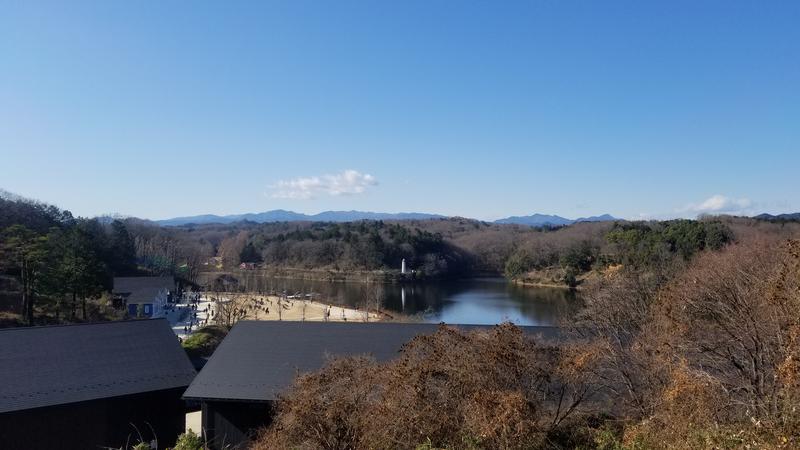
<point>89,385</point>
<point>258,360</point>
<point>144,296</point>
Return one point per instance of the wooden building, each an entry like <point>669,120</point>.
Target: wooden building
<point>144,296</point>
<point>257,361</point>
<point>92,386</point>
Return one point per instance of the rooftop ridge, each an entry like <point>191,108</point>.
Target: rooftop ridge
<point>62,325</point>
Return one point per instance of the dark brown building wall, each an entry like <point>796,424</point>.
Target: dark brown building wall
<point>97,423</point>
<point>232,424</point>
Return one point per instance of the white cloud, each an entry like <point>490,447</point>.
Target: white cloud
<point>348,182</point>
<point>720,204</point>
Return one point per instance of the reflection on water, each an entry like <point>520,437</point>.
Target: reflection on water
<point>469,301</point>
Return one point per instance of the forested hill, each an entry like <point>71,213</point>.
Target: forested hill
<point>51,254</point>
<point>351,246</point>
<point>439,247</point>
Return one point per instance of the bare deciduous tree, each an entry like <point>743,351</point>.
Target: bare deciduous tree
<point>230,307</point>
<point>494,388</point>
<point>732,315</point>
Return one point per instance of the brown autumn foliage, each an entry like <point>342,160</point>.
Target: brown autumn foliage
<point>612,336</point>
<point>453,389</point>
<point>732,314</point>
<point>686,412</point>
<point>721,343</point>
<point>704,355</point>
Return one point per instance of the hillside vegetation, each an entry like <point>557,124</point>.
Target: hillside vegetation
<point>433,248</point>
<point>57,267</point>
<point>702,352</point>
<point>436,248</point>
<point>59,264</point>
<point>689,336</point>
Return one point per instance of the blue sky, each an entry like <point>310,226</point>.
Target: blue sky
<point>479,109</point>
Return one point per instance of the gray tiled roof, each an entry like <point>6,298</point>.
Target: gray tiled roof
<point>141,289</point>
<point>44,366</point>
<point>258,360</point>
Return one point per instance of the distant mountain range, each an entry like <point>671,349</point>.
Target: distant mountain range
<point>280,215</point>
<point>778,217</point>
<point>541,220</point>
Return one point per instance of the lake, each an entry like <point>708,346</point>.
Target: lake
<point>469,301</point>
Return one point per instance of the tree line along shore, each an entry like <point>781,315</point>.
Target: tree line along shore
<point>58,267</point>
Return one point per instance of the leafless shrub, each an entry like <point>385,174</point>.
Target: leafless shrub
<point>733,314</point>
<point>726,333</point>
<point>698,355</point>
<point>487,389</point>
<point>614,348</point>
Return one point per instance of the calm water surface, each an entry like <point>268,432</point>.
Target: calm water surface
<point>471,301</point>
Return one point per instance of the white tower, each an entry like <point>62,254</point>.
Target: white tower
<point>403,266</point>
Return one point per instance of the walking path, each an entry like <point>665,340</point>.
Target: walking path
<point>190,314</point>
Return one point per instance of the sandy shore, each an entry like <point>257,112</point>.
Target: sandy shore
<point>227,308</point>
<point>269,307</point>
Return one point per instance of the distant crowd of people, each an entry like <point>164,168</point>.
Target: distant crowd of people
<point>193,306</point>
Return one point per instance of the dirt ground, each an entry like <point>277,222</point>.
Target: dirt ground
<point>296,309</point>
<point>269,307</point>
